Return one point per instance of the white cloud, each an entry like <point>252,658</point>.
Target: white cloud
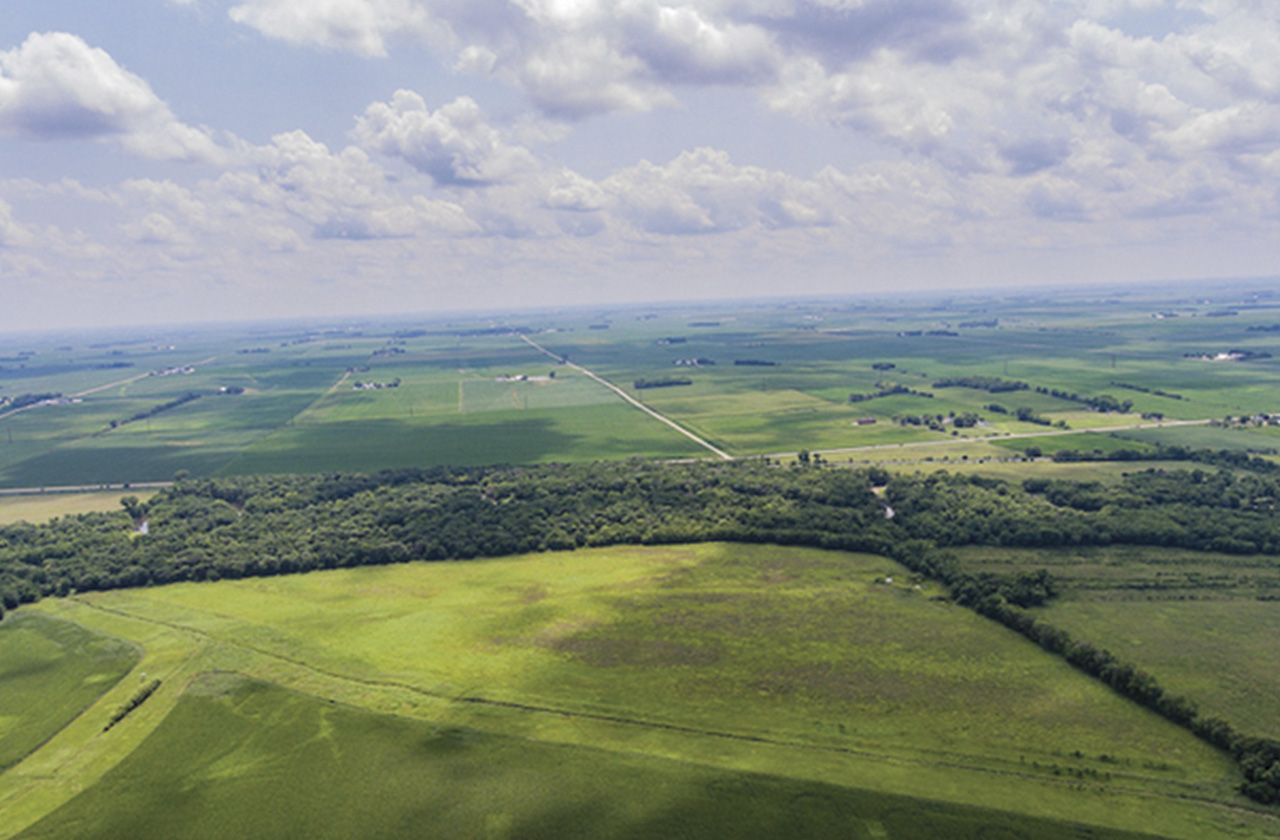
<point>363,27</point>
<point>704,192</point>
<point>454,145</point>
<point>342,195</point>
<point>55,86</point>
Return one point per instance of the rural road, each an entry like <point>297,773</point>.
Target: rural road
<point>98,388</point>
<point>646,409</point>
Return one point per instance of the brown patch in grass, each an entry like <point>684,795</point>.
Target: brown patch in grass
<point>641,653</point>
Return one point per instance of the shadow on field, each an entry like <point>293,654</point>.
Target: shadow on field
<point>245,759</point>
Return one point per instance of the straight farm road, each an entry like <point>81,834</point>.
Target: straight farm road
<point>98,388</point>
<point>132,379</point>
<point>646,409</point>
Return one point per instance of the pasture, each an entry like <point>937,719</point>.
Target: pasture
<point>1203,624</point>
<point>41,507</point>
<point>808,667</point>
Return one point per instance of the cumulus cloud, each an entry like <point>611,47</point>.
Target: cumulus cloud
<point>342,195</point>
<point>454,145</point>
<point>572,58</point>
<point>839,32</point>
<point>364,27</point>
<point>56,86</point>
<point>703,191</point>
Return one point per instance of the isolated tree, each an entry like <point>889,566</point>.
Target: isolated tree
<point>132,507</point>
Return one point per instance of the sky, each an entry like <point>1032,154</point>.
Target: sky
<point>191,160</point>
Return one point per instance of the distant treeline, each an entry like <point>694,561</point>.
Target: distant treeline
<point>190,396</point>
<point>1156,391</point>
<point>754,362</point>
<point>1229,458</point>
<point>888,390</point>
<point>24,400</point>
<point>990,384</point>
<point>1104,402</point>
<point>996,385</point>
<point>666,382</point>
<point>267,525</point>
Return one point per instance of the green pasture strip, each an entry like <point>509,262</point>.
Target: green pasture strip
<point>247,759</point>
<point>41,507</point>
<point>798,657</point>
<point>1018,470</point>
<point>1139,573</point>
<point>1084,442</point>
<point>50,671</point>
<point>920,452</point>
<point>1206,437</point>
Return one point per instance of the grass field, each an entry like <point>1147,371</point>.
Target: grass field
<point>41,507</point>
<point>1204,624</point>
<point>1206,437</point>
<point>1223,653</point>
<point>787,662</point>
<point>239,758</point>
<point>50,671</point>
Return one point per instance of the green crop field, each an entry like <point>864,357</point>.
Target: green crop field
<point>1210,437</point>
<point>763,380</point>
<point>835,675</point>
<point>51,670</point>
<point>244,759</point>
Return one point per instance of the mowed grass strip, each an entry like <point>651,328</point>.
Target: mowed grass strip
<point>245,759</point>
<point>50,671</point>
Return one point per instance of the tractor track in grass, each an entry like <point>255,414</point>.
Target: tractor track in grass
<point>469,698</point>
